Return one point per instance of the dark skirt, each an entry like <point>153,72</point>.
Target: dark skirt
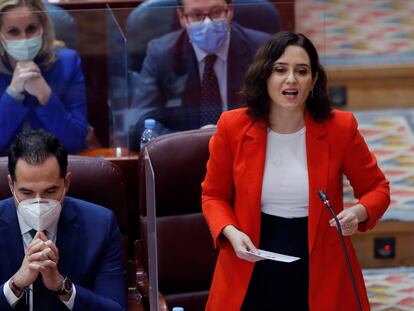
<point>278,285</point>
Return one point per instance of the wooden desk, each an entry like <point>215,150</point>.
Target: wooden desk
<point>115,155</point>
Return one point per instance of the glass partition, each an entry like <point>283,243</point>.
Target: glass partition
<point>43,81</point>
<point>166,67</point>
<point>86,71</point>
<point>64,25</point>
<point>88,80</point>
<point>165,84</point>
<point>117,83</point>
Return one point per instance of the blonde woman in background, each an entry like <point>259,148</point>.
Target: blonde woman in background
<point>41,83</point>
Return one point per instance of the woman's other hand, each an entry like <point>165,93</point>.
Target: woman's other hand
<point>350,218</point>
<point>23,72</point>
<point>241,243</point>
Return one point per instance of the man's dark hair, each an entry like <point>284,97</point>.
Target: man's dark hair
<point>180,2</point>
<point>35,147</point>
<point>255,85</point>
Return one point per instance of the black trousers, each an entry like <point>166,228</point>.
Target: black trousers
<point>277,285</point>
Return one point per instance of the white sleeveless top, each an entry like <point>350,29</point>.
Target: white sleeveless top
<point>285,189</point>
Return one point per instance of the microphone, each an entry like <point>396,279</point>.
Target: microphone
<point>325,200</point>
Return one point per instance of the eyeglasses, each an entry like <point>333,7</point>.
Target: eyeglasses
<point>215,15</point>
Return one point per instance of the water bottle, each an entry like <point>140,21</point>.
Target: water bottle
<point>149,133</point>
<point>177,309</point>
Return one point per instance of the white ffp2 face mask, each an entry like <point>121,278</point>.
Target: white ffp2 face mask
<point>38,213</point>
<point>24,49</point>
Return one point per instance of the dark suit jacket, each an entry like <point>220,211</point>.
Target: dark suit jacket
<point>168,86</point>
<point>90,252</point>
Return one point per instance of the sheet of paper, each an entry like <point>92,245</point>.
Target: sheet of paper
<point>274,256</point>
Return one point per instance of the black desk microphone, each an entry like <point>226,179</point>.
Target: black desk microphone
<point>325,201</point>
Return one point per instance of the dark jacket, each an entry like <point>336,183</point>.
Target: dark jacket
<point>168,87</point>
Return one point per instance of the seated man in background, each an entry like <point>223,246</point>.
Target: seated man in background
<point>41,84</point>
<point>191,75</point>
<point>62,253</point>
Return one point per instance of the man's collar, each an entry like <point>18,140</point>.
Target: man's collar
<point>222,53</point>
<point>22,224</point>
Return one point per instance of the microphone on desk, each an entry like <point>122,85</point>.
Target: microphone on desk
<point>325,200</point>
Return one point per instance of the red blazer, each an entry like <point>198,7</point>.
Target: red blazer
<point>232,195</point>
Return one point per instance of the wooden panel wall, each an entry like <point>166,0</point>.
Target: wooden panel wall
<point>403,232</point>
<point>375,87</point>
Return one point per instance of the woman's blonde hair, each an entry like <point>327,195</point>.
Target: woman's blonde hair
<point>46,54</point>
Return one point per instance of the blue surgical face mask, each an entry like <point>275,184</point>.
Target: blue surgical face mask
<point>207,35</point>
<point>24,49</point>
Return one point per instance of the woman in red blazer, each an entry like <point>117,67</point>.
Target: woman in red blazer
<point>267,164</point>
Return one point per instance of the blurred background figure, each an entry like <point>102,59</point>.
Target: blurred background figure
<point>41,82</point>
<point>191,75</point>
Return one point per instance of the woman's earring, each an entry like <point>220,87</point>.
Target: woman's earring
<point>311,94</point>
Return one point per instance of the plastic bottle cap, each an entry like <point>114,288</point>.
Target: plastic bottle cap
<point>149,123</point>
<point>177,309</point>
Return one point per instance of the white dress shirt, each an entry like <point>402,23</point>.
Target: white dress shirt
<point>27,239</point>
<point>220,68</point>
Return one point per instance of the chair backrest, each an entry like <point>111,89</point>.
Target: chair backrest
<point>93,179</point>
<point>159,17</point>
<point>257,14</point>
<point>64,25</point>
<point>186,257</point>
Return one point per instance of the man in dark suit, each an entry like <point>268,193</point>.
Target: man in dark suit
<point>169,87</point>
<point>59,253</point>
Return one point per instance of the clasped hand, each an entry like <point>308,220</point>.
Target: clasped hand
<point>42,257</point>
<point>27,77</point>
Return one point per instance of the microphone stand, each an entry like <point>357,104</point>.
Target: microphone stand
<point>325,201</point>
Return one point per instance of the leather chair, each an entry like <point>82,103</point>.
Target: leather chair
<point>186,256</point>
<point>159,17</point>
<point>98,181</point>
<point>64,25</point>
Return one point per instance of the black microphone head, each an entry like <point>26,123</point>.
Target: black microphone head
<point>322,195</point>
